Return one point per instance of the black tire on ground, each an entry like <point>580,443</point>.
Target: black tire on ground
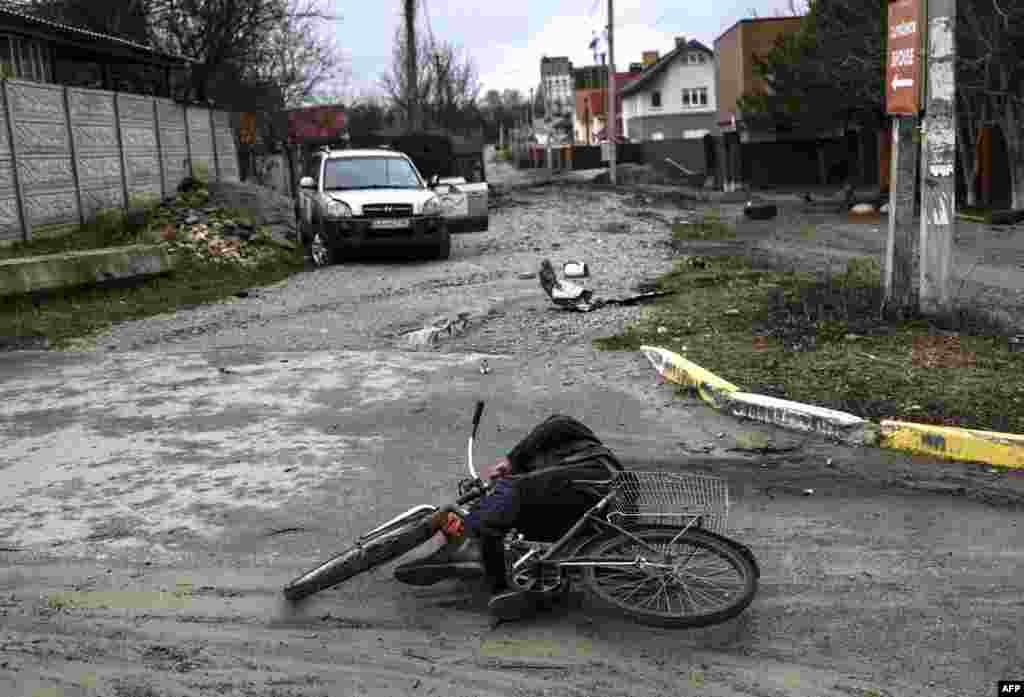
<point>359,559</point>
<point>716,546</point>
<point>761,211</point>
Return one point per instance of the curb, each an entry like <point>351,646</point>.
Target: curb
<point>53,271</point>
<point>958,444</point>
<point>674,368</point>
<point>1001,449</point>
<point>795,416</point>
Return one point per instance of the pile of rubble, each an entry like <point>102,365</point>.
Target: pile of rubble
<point>224,222</point>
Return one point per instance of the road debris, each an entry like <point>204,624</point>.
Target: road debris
<point>571,296</point>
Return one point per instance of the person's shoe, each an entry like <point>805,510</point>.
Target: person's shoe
<point>461,560</point>
<point>510,605</point>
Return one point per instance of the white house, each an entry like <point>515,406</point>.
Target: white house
<point>673,99</point>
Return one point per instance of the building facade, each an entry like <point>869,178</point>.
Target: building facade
<point>591,100</point>
<point>735,76</point>
<point>675,98</point>
<point>556,79</point>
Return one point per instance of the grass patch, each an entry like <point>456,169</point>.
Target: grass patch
<point>76,314</point>
<point>821,339</point>
<point>982,215</point>
<point>710,226</point>
<point>110,228</point>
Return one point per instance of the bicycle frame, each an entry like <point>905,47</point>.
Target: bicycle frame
<point>593,517</point>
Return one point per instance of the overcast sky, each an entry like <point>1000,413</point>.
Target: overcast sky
<point>507,39</point>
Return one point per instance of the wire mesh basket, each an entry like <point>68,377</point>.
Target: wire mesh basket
<point>670,498</point>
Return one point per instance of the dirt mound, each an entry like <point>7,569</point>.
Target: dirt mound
<point>266,206</point>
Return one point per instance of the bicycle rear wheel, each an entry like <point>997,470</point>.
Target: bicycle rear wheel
<point>377,551</point>
<point>699,580</point>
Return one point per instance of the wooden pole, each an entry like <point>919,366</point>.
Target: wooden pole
<point>938,183</point>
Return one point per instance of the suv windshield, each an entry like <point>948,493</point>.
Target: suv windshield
<point>370,173</point>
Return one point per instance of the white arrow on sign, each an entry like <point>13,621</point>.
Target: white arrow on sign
<point>898,82</point>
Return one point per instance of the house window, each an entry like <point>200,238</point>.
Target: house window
<point>656,99</point>
<point>695,97</point>
<point>25,59</point>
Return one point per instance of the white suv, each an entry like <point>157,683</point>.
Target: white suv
<point>352,199</point>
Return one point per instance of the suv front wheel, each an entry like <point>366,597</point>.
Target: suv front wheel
<point>444,245</point>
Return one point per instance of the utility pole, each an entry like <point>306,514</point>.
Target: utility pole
<point>411,88</point>
<point>938,184</point>
<point>903,102</point>
<point>611,93</point>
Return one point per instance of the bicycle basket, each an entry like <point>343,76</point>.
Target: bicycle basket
<point>670,498</point>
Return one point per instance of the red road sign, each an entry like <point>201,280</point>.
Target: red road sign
<point>903,72</point>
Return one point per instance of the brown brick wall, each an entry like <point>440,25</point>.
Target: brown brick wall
<point>734,50</point>
<point>730,72</point>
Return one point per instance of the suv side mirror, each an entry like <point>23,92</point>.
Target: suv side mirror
<point>307,183</point>
<point>434,180</point>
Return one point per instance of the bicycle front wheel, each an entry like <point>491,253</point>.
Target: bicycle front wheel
<point>361,558</point>
<point>696,581</point>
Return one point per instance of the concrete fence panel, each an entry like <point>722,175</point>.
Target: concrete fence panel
<point>42,154</point>
<point>10,210</point>
<point>68,153</point>
<point>137,121</point>
<point>173,143</point>
<point>94,136</point>
<point>227,151</point>
<point>200,136</point>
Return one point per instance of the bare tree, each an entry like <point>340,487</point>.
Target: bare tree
<point>446,85</point>
<point>456,87</point>
<point>125,19</point>
<point>990,88</point>
<point>397,84</point>
<point>306,66</point>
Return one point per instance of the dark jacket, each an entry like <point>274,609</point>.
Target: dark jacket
<point>544,465</point>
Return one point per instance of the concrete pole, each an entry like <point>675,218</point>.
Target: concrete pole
<point>410,65</point>
<point>901,253</point>
<point>610,129</point>
<point>938,184</point>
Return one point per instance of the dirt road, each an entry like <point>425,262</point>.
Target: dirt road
<point>160,488</point>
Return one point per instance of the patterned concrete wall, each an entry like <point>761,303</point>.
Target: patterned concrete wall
<point>10,214</point>
<point>200,136</point>
<point>97,151</point>
<point>78,151</point>
<point>137,117</point>
<point>173,142</point>
<point>42,152</point>
<point>227,152</point>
